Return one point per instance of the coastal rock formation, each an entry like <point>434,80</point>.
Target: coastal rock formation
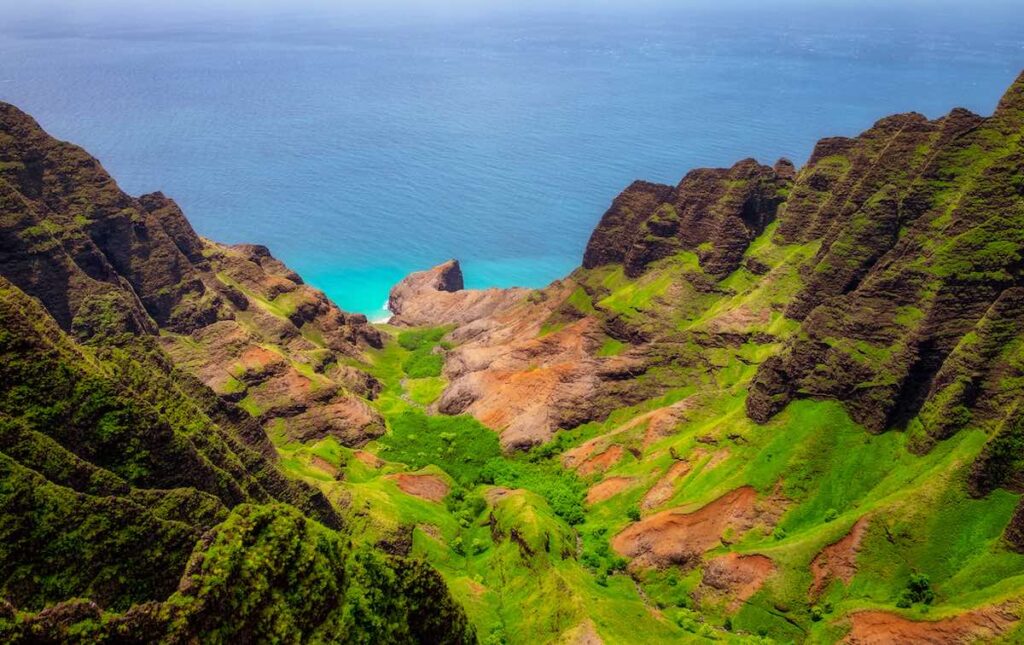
<point>715,213</point>
<point>436,298</point>
<point>104,263</point>
<point>139,504</point>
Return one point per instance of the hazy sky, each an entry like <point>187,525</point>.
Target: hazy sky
<point>98,12</point>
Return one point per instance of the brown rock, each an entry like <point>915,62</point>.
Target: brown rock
<point>436,297</point>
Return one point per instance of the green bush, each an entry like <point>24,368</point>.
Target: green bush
<point>422,364</point>
<point>460,445</point>
<point>416,339</point>
<point>562,489</point>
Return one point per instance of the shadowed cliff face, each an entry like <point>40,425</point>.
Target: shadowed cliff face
<point>713,212</point>
<point>134,491</point>
<point>914,291</point>
<point>104,263</point>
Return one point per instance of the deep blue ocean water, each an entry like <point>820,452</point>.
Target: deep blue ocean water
<point>358,153</point>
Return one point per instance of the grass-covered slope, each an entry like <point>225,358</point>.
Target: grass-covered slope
<point>138,504</point>
<point>774,405</point>
<point>137,507</point>
<point>802,431</point>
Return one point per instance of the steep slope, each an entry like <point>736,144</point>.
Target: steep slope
<point>793,395</point>
<point>772,405</point>
<point>102,262</point>
<point>138,505</point>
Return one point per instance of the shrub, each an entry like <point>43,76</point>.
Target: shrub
<point>423,364</point>
<point>415,339</point>
<point>918,590</point>
<point>633,514</point>
<point>561,489</point>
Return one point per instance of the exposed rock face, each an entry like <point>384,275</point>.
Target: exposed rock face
<point>915,289</point>
<point>674,537</point>
<point>132,495</point>
<point>507,369</point>
<point>436,297</point>
<point>102,262</point>
<point>715,213</point>
<point>880,628</point>
<point>518,382</point>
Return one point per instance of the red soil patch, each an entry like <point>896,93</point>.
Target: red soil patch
<point>572,458</point>
<point>368,459</point>
<point>838,560</point>
<point>737,577</point>
<point>607,488</point>
<point>428,487</point>
<point>258,361</point>
<point>662,491</point>
<point>660,423</point>
<point>601,462</point>
<point>673,537</point>
<point>883,628</point>
<point>324,465</point>
<point>716,458</point>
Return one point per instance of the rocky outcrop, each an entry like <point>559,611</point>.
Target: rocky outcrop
<point>714,213</point>
<point>520,364</point>
<point>436,297</point>
<point>920,243</point>
<point>104,263</point>
<point>133,495</point>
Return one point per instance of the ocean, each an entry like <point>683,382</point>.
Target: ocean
<point>361,151</point>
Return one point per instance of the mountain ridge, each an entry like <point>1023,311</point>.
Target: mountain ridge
<point>772,403</point>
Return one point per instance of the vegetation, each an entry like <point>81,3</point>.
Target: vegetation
<point>798,422</point>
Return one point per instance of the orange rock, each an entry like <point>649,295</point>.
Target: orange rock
<point>601,462</point>
<point>675,537</point>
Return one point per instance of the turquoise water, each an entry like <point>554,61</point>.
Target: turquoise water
<point>360,152</point>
